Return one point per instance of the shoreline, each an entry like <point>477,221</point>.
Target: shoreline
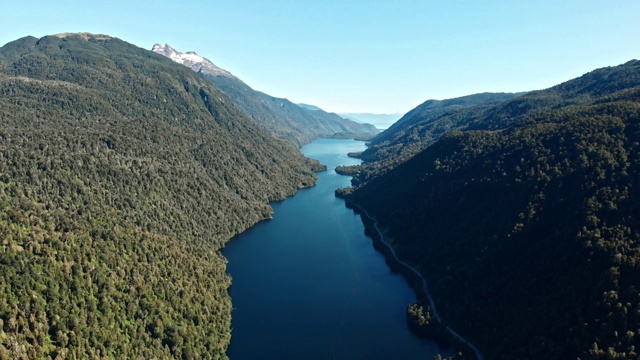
<point>415,278</point>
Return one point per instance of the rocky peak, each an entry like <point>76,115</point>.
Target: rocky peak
<point>191,60</point>
<point>84,36</point>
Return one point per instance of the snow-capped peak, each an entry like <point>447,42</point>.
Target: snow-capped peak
<point>191,60</point>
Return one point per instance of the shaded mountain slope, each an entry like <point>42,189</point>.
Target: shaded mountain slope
<point>431,119</point>
<point>419,128</point>
<point>121,175</point>
<point>428,122</point>
<point>296,124</point>
<point>529,236</point>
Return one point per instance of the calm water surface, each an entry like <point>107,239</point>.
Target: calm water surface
<point>308,284</point>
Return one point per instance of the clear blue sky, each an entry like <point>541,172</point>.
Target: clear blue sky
<point>362,56</point>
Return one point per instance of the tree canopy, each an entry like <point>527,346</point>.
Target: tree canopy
<point>122,174</point>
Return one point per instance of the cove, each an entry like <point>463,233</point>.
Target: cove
<point>308,283</point>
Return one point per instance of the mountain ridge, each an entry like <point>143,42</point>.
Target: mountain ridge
<point>418,129</point>
<point>286,120</point>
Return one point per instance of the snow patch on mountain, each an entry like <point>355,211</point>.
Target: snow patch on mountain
<point>191,60</point>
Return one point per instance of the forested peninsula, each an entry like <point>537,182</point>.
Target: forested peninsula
<point>522,214</point>
<point>122,174</point>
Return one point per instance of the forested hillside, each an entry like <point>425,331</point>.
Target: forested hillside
<point>425,124</point>
<point>528,231</point>
<point>121,176</point>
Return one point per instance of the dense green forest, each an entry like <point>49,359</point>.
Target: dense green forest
<point>122,174</point>
<point>526,224</point>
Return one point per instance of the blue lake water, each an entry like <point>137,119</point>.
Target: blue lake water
<point>308,284</point>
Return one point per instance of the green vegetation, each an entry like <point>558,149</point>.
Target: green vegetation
<point>526,224</point>
<point>418,129</point>
<point>121,176</point>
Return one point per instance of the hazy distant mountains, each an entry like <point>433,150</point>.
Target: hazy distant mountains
<point>380,121</point>
<point>296,124</point>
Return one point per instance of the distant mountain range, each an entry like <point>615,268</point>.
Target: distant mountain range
<point>296,124</point>
<point>380,121</point>
<point>523,213</point>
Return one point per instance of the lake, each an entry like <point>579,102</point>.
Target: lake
<point>308,283</point>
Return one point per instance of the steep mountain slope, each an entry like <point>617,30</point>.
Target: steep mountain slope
<point>529,235</point>
<point>433,118</point>
<point>419,128</point>
<point>425,124</point>
<point>121,175</point>
<point>296,124</point>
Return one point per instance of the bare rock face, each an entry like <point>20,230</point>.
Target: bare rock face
<point>191,60</point>
<point>84,36</point>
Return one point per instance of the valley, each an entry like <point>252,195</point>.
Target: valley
<point>153,205</point>
<point>522,217</point>
<point>288,121</point>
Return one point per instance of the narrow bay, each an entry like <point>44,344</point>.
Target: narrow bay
<point>308,284</point>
